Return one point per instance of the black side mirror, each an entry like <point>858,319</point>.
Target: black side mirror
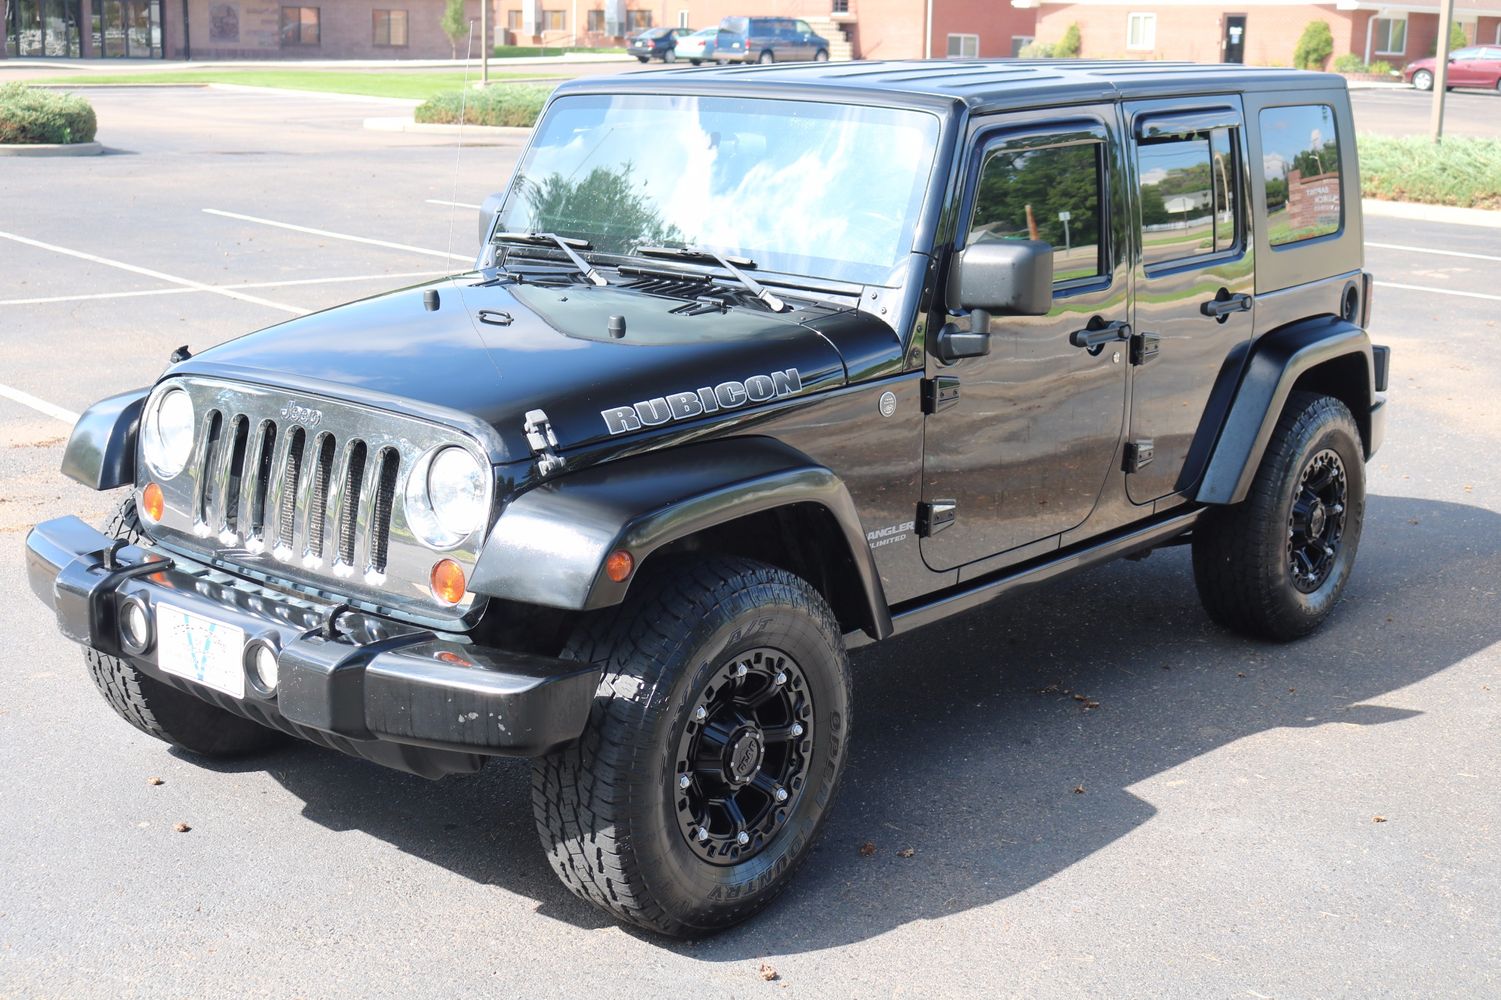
<point>488,210</point>
<point>1013,277</point>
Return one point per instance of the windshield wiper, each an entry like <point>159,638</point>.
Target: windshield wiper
<point>564,243</point>
<point>751,284</point>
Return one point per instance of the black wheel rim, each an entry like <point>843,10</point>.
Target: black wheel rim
<point>1317,521</point>
<point>742,760</point>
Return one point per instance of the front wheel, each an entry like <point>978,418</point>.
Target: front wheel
<point>670,56</point>
<point>712,752</point>
<point>1275,565</point>
<point>1422,80</point>
<point>820,56</point>
<point>696,62</point>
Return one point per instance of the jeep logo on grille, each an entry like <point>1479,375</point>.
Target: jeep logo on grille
<point>299,414</point>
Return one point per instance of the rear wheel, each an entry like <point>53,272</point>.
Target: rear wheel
<point>670,56</point>
<point>712,752</point>
<point>643,59</point>
<point>696,62</point>
<point>1275,565</point>
<point>1422,80</point>
<point>165,712</point>
<point>767,57</point>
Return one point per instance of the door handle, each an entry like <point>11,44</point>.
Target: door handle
<point>1094,337</point>
<point>1219,308</point>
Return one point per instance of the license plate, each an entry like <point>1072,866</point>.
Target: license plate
<point>200,649</point>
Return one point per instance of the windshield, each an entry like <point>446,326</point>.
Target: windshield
<point>801,188</point>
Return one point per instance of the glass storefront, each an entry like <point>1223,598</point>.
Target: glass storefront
<point>119,28</point>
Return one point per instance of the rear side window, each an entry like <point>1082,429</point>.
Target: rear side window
<point>1050,194</point>
<point>1300,157</point>
<point>1189,197</point>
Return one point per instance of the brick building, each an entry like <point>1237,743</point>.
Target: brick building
<point>1257,32</point>
<point>409,29</point>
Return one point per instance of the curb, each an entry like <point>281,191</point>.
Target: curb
<point>240,88</point>
<point>1419,212</point>
<point>51,149</point>
<point>496,132</point>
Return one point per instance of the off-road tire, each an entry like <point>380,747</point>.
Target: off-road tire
<point>607,806</point>
<point>165,712</point>
<point>1241,553</point>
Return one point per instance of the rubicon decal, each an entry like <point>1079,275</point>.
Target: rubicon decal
<point>692,403</point>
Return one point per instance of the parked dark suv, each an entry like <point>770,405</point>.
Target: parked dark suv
<point>769,39</point>
<point>657,43</point>
<point>754,368</point>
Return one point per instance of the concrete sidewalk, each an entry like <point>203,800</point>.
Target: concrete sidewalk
<point>32,70</point>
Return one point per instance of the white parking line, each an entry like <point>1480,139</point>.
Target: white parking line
<point>237,286</point>
<point>1439,291</point>
<point>451,204</point>
<point>40,405</point>
<point>160,276</point>
<point>340,236</point>
<point>1441,253</point>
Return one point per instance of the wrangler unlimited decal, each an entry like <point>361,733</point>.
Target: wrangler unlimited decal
<point>688,404</point>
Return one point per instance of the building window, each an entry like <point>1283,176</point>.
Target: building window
<point>554,20</point>
<point>390,28</point>
<point>1389,36</point>
<point>1141,32</point>
<point>513,20</point>
<point>683,19</point>
<point>1300,158</point>
<point>594,22</point>
<point>637,20</point>
<point>1050,194</point>
<point>964,46</point>
<point>843,7</point>
<point>299,26</point>
<point>1189,196</point>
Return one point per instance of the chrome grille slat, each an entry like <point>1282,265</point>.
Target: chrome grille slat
<point>327,514</point>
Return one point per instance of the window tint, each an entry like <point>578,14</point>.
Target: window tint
<point>1188,196</point>
<point>1300,157</point>
<point>1050,194</point>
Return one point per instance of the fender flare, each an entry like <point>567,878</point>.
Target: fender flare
<point>549,545</point>
<point>1277,361</point>
<point>101,451</point>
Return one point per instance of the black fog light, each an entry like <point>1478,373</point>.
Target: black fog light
<point>135,626</point>
<point>261,666</point>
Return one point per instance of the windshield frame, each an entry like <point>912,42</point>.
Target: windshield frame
<point>927,205</point>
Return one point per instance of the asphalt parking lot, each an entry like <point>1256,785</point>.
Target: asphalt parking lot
<point>1311,820</point>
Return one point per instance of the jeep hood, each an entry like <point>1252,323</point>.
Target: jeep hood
<point>495,351</point>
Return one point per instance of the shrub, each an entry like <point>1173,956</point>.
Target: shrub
<point>1459,171</point>
<point>1381,68</point>
<point>30,115</point>
<point>1070,45</point>
<point>1350,63</point>
<point>515,105</point>
<point>1315,47</point>
<point>1036,50</point>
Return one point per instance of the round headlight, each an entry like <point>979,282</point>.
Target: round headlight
<point>167,435</point>
<point>446,497</point>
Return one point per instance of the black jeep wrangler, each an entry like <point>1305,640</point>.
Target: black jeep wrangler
<point>756,365</point>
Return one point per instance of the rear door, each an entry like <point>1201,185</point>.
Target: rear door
<point>1195,279</point>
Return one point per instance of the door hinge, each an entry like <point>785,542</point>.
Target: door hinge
<point>1144,347</point>
<point>1138,454</point>
<point>541,439</point>
<point>939,393</point>
<point>935,515</point>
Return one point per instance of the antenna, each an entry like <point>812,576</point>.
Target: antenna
<point>459,146</point>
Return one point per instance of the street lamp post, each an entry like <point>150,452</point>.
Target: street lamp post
<point>1441,68</point>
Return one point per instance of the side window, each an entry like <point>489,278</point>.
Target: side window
<point>1050,193</point>
<point>802,28</point>
<point>1190,202</point>
<point>1300,155</point>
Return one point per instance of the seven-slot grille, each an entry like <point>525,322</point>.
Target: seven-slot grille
<point>308,490</point>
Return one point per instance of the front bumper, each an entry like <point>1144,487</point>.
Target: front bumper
<point>396,694</point>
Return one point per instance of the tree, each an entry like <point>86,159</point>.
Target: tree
<point>1069,46</point>
<point>1315,47</point>
<point>455,24</point>
<point>605,207</point>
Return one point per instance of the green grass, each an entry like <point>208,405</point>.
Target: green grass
<point>1459,171</point>
<point>386,83</point>
<point>532,51</point>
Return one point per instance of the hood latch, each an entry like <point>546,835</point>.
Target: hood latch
<point>542,440</point>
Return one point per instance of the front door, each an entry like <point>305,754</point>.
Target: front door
<point>1021,441</point>
<point>1194,283</point>
<point>1235,38</point>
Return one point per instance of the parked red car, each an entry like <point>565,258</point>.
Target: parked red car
<point>1476,66</point>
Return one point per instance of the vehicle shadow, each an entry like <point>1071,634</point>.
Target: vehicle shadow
<point>970,739</point>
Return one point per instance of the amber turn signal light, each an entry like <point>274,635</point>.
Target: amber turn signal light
<point>448,581</point>
<point>152,503</point>
<point>619,565</point>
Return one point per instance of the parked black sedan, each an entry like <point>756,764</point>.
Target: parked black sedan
<point>657,43</point>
